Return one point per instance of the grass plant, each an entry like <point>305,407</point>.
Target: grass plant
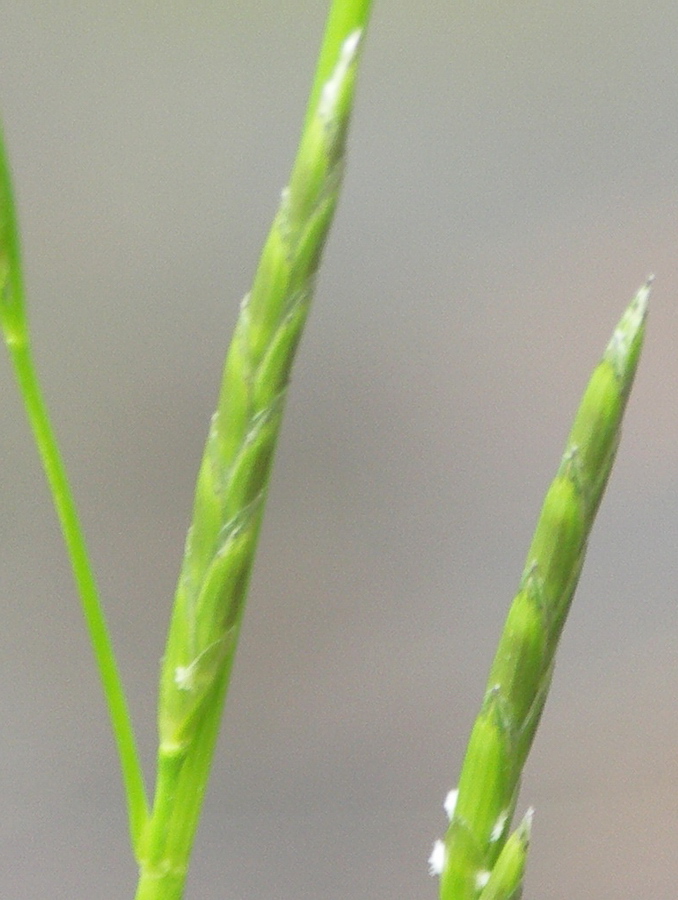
<point>480,858</point>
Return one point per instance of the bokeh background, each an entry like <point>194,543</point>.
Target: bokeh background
<point>512,182</point>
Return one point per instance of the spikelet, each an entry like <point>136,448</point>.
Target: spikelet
<point>234,472</point>
<point>479,860</point>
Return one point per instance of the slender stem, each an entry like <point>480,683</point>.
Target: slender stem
<point>180,790</point>
<point>16,333</point>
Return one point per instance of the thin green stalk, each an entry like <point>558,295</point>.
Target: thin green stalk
<point>234,473</point>
<point>15,330</point>
<point>478,860</point>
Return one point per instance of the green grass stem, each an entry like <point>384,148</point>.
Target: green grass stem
<point>478,860</point>
<point>14,324</point>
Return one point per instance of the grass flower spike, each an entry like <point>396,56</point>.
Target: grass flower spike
<point>480,861</point>
<point>233,476</point>
<point>236,463</point>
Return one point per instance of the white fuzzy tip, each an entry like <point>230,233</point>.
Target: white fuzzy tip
<point>349,47</point>
<point>436,861</point>
<point>482,878</point>
<point>333,85</point>
<point>183,678</point>
<point>450,804</point>
<point>499,827</point>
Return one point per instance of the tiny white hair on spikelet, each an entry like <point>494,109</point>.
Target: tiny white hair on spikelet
<point>334,84</point>
<point>499,827</point>
<point>482,878</point>
<point>450,803</point>
<point>436,860</point>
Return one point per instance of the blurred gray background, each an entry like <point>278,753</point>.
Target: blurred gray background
<point>512,182</point>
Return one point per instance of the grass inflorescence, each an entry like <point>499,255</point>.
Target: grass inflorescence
<point>479,859</point>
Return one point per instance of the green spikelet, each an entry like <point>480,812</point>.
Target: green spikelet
<point>234,472</point>
<point>479,860</point>
<point>505,882</point>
